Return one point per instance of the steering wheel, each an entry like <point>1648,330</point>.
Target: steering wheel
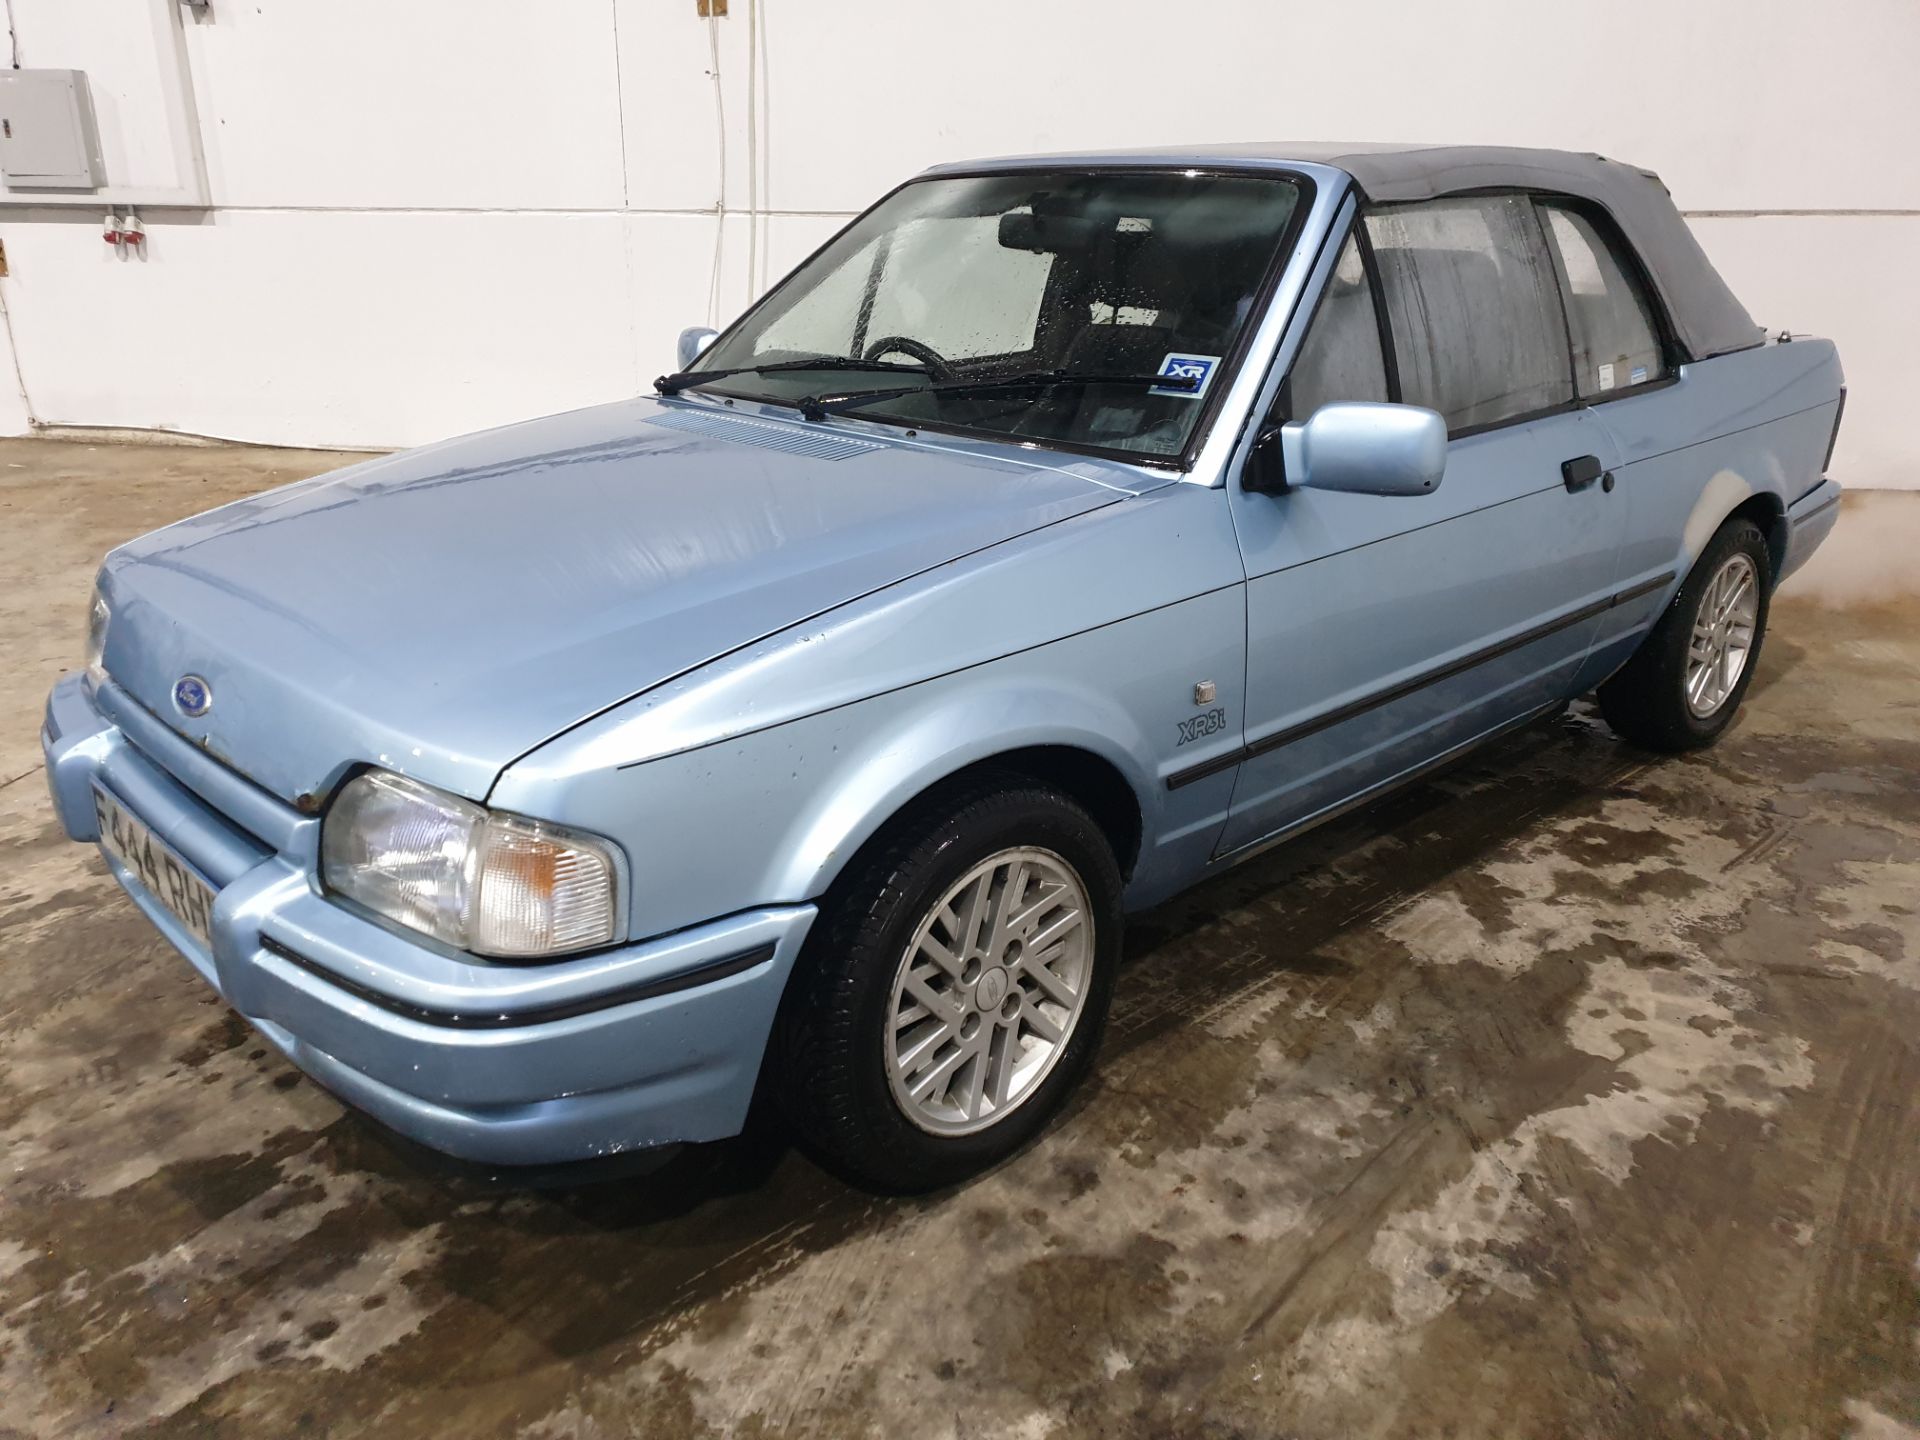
<point>937,364</point>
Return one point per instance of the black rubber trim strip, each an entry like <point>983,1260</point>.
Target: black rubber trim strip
<point>1450,756</point>
<point>540,1015</point>
<point>1407,687</point>
<point>1817,511</point>
<point>1205,768</point>
<point>1645,587</point>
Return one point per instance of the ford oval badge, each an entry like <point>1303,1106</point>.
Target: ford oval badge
<point>192,696</point>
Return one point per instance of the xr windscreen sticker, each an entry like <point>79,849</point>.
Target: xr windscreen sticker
<point>1196,368</point>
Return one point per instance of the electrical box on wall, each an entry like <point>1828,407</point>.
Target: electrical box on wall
<point>47,135</point>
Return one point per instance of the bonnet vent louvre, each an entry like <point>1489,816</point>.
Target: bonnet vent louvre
<point>773,435</point>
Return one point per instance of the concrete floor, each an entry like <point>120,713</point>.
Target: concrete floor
<point>1571,1093</point>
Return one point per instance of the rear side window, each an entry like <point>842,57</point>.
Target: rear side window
<point>1341,358</point>
<point>1614,341</point>
<point>1478,331</point>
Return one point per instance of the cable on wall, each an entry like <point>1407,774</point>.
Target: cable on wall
<point>720,200</point>
<point>758,130</point>
<point>6,315</point>
<point>19,375</point>
<point>620,107</point>
<point>764,146</point>
<point>753,149</point>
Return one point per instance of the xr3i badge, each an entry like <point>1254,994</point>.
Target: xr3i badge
<point>1200,726</point>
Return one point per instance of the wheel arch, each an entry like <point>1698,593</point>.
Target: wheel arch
<point>1769,515</point>
<point>838,1005</point>
<point>1089,779</point>
<point>1732,496</point>
<point>1092,780</point>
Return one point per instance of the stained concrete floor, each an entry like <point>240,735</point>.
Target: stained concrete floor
<point>1570,1093</point>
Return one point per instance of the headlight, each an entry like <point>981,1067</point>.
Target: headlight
<point>486,883</point>
<point>97,616</point>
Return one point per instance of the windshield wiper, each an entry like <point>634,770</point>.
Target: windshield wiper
<point>818,407</point>
<point>673,384</point>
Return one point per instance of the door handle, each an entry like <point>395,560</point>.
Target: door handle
<point>1581,471</point>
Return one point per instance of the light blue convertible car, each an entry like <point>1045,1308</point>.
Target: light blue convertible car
<point>1066,529</point>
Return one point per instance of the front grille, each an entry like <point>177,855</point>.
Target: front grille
<point>193,784</point>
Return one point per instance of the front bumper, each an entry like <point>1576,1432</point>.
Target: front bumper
<point>649,1044</point>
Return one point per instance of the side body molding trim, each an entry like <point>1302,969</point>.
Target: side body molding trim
<point>1405,688</point>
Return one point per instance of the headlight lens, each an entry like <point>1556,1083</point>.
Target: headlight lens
<point>97,616</point>
<point>490,884</point>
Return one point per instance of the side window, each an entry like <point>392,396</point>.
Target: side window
<point>1478,332</point>
<point>1340,359</point>
<point>1614,341</point>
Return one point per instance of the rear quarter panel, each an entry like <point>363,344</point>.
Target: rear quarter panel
<point>1755,422</point>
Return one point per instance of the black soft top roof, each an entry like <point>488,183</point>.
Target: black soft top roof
<point>1708,318</point>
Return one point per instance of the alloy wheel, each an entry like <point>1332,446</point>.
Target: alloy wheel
<point>1722,639</point>
<point>989,991</point>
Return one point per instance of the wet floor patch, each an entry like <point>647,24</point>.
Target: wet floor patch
<point>1567,1092</point>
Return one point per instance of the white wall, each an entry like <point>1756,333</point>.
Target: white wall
<point>444,214</point>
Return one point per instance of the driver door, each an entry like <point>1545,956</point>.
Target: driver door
<point>1385,633</point>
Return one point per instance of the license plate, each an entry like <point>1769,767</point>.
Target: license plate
<point>163,874</point>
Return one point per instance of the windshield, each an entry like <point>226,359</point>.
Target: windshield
<point>1077,287</point>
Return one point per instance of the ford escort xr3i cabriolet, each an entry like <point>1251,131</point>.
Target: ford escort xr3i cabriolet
<point>1064,530</point>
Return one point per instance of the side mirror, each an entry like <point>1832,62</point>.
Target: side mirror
<point>1358,447</point>
<point>693,340</point>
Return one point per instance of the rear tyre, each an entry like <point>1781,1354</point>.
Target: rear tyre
<point>954,988</point>
<point>1686,681</point>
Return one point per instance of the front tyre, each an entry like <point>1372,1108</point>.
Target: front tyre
<point>1686,681</point>
<point>954,989</point>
